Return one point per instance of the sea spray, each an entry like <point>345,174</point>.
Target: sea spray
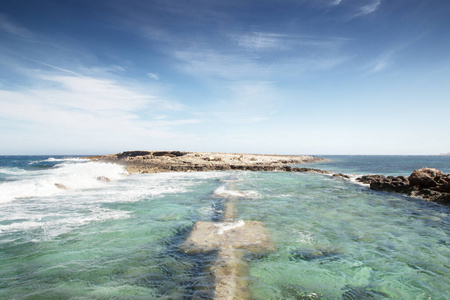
<point>50,182</point>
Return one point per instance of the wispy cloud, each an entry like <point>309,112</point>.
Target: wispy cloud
<point>336,2</point>
<point>387,59</point>
<point>7,25</point>
<point>259,40</point>
<point>266,41</point>
<point>90,105</point>
<point>368,8</point>
<point>216,63</point>
<point>257,62</point>
<point>379,65</point>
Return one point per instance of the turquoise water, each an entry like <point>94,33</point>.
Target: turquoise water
<point>334,238</point>
<point>121,239</point>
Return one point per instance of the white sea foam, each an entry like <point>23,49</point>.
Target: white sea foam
<point>35,205</point>
<point>54,224</point>
<point>353,180</point>
<point>223,227</point>
<point>73,176</point>
<point>223,192</point>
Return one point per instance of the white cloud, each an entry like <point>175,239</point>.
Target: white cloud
<point>153,76</point>
<point>89,106</point>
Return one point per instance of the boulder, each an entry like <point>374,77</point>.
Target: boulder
<point>425,177</point>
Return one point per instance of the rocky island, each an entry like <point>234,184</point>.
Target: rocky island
<point>178,161</point>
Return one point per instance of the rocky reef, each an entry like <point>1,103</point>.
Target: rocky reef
<point>427,183</point>
<point>177,161</point>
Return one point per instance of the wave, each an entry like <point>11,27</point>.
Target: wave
<point>66,177</point>
<point>12,171</point>
<point>72,159</point>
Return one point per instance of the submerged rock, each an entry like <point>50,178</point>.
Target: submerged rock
<point>296,291</point>
<point>357,293</point>
<point>315,254</point>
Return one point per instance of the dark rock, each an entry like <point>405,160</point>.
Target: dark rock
<point>168,153</point>
<point>427,183</point>
<point>444,188</point>
<point>133,154</point>
<point>310,170</point>
<point>368,179</point>
<point>425,177</point>
<point>340,175</point>
<point>444,198</point>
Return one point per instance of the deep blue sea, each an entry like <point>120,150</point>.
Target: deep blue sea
<point>382,164</point>
<point>67,233</point>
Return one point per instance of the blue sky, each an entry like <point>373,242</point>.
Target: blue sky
<point>287,77</point>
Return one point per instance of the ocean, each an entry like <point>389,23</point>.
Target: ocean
<point>75,229</point>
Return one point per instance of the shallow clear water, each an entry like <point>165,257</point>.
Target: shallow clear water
<point>337,239</point>
<point>121,239</point>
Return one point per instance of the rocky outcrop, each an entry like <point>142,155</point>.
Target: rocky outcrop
<point>177,161</point>
<point>427,183</point>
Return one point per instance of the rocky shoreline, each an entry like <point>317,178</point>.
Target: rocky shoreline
<point>177,161</point>
<point>426,183</point>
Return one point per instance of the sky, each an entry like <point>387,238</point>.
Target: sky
<point>288,76</point>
